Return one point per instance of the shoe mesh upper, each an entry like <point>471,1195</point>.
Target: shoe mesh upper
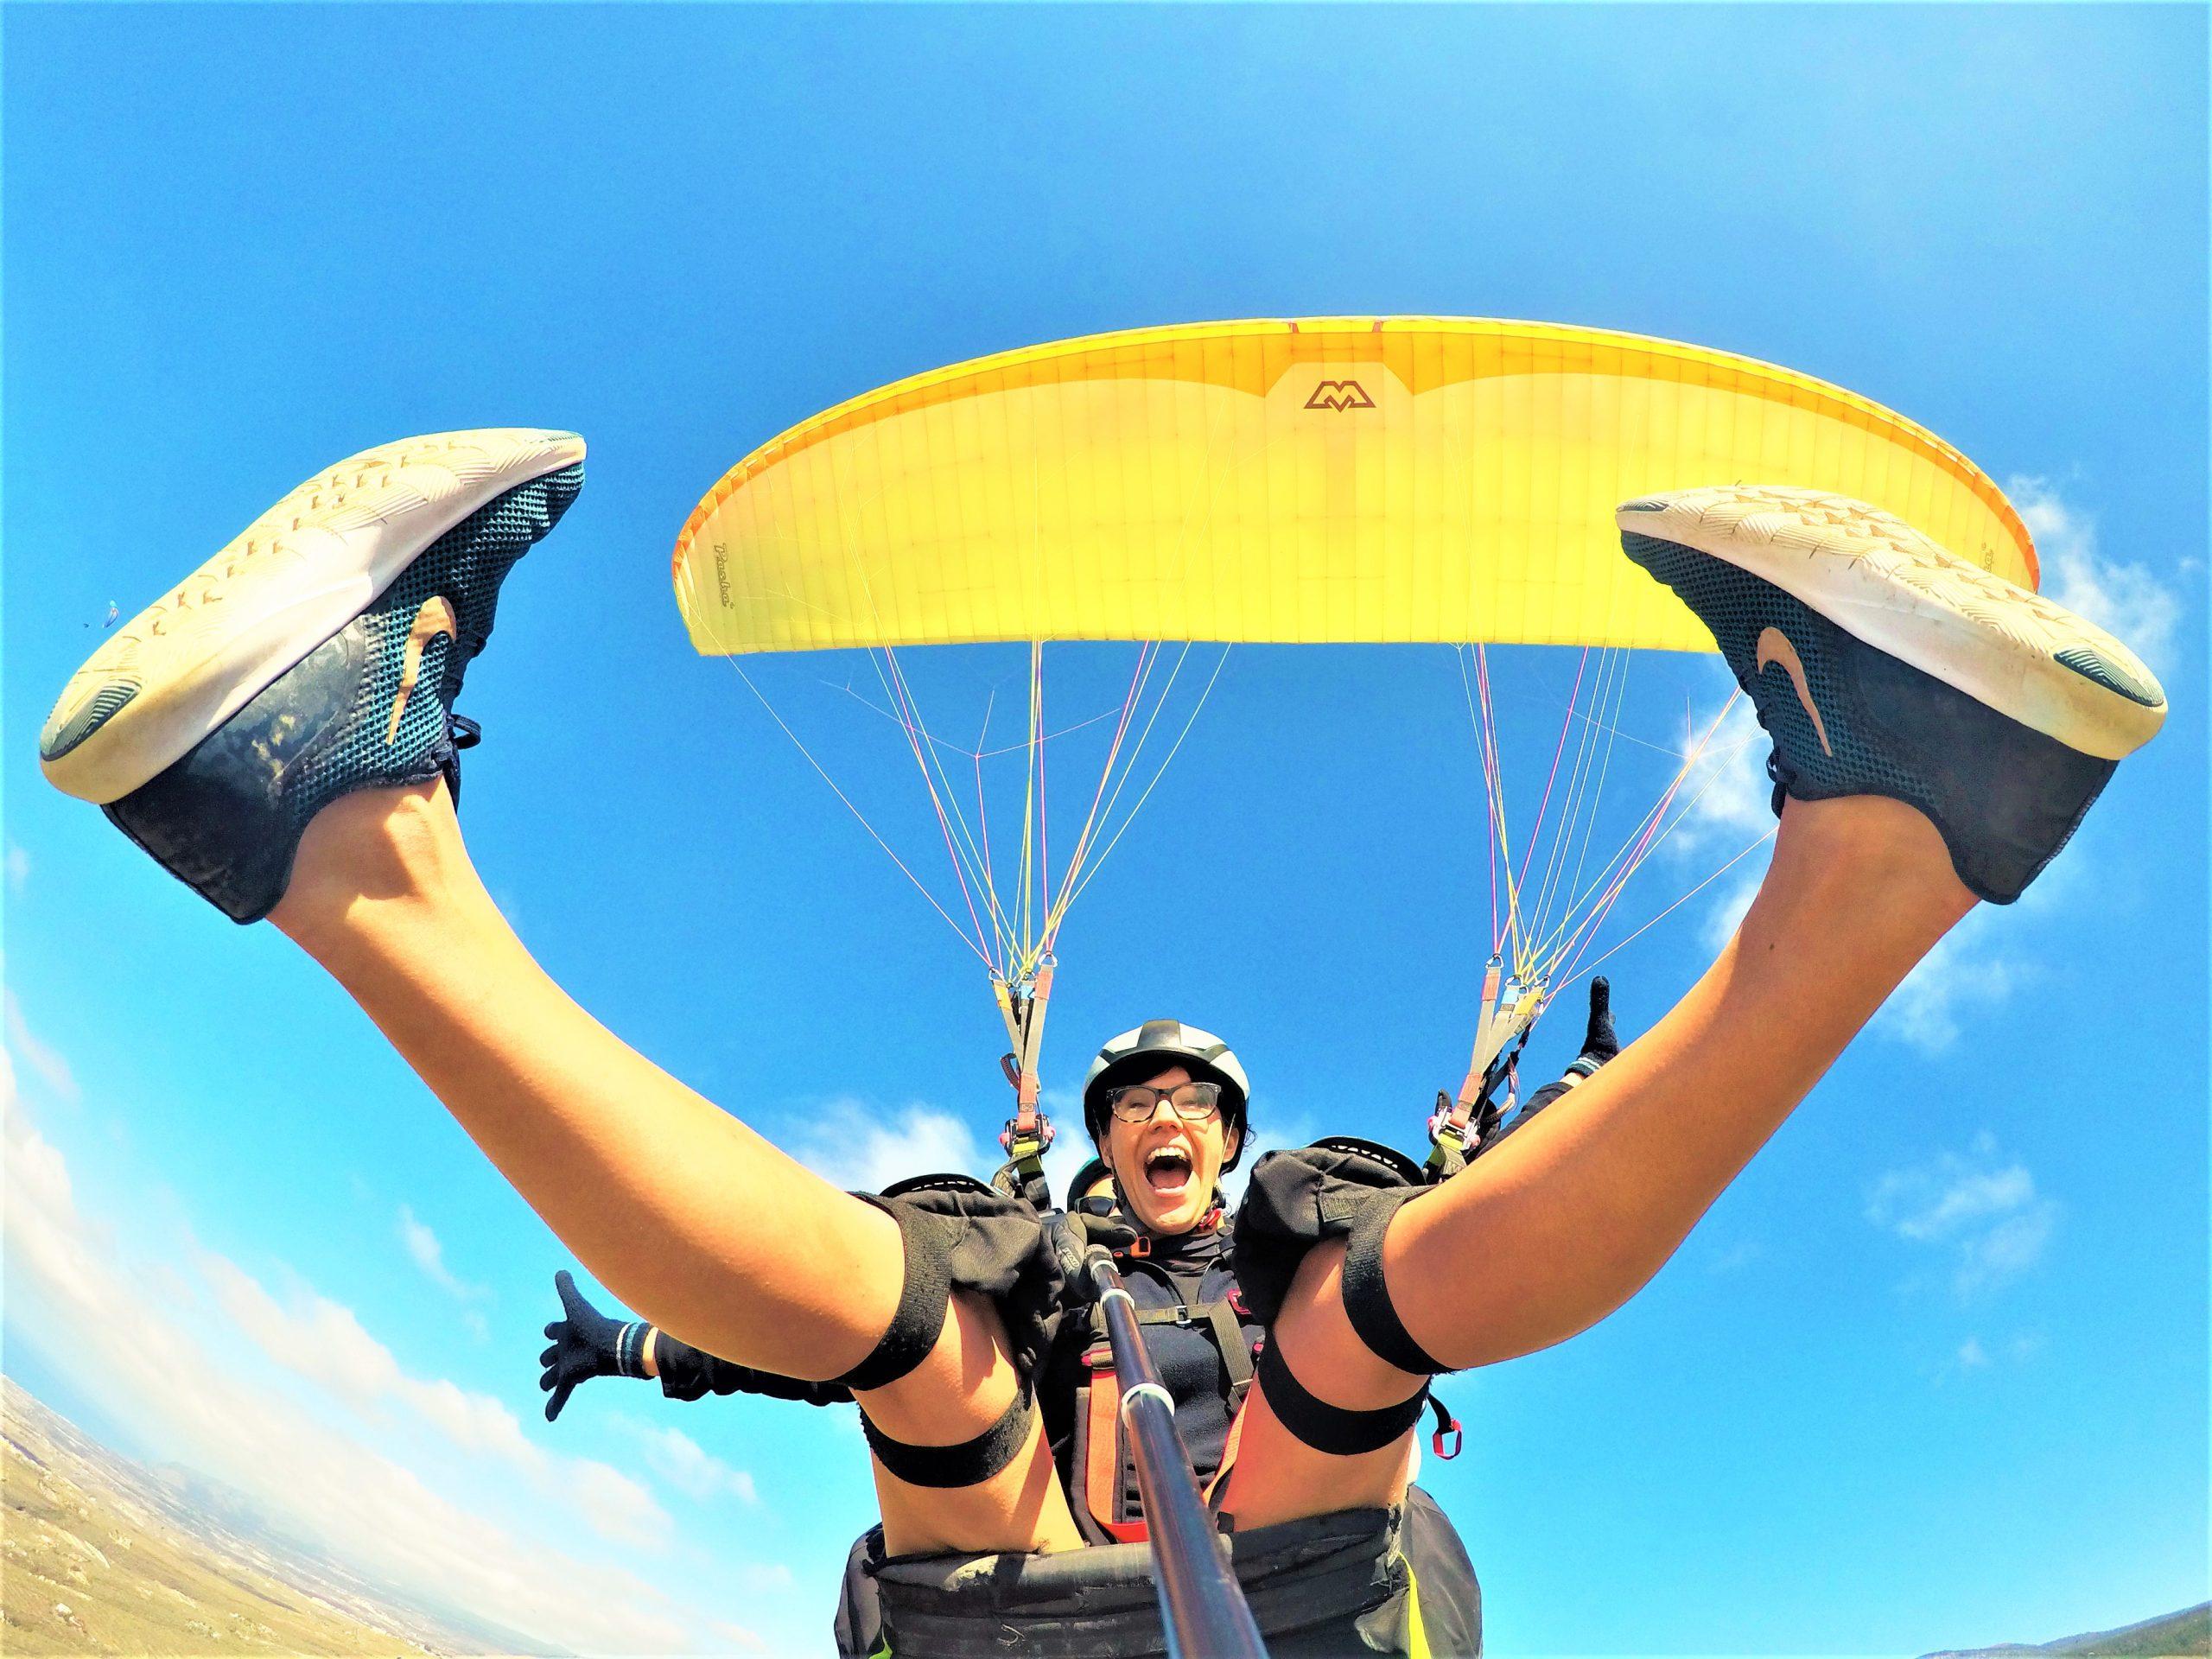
<point>466,565</point>
<point>1737,607</point>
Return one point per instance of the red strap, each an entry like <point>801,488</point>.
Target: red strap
<point>1102,1469</point>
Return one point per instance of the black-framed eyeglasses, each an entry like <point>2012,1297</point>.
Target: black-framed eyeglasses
<point>1136,1103</point>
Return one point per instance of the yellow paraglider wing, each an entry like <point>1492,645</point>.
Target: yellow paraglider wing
<point>1378,479</point>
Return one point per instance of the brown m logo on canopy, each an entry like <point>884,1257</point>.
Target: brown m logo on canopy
<point>1340,394</point>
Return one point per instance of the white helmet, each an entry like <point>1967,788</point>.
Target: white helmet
<point>1139,1053</point>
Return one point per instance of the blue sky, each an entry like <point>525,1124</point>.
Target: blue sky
<point>1933,1373</point>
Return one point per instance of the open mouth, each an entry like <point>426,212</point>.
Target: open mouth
<point>1167,1170</point>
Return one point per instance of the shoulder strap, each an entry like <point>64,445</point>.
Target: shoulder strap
<point>1100,1472</point>
<point>1236,1352</point>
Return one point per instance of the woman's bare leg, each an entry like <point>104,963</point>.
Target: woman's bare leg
<point>1591,1198</point>
<point>305,675</point>
<point>1939,733</point>
<point>1859,890</point>
<point>689,1216</point>
<point>692,1219</point>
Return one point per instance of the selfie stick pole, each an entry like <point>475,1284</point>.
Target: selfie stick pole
<point>1201,1604</point>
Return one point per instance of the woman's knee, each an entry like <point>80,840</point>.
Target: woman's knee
<point>961,1458</point>
<point>1340,1375</point>
<point>947,1398</point>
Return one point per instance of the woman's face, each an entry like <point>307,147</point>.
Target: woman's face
<point>1165,1167</point>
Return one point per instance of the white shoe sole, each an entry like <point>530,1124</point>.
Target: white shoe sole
<point>296,575</point>
<point>1884,583</point>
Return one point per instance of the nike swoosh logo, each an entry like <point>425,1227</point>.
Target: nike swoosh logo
<point>436,618</point>
<point>1774,647</point>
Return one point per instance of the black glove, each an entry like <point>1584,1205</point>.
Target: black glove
<point>1598,1043</point>
<point>688,1374</point>
<point>587,1344</point>
<point>1074,1232</point>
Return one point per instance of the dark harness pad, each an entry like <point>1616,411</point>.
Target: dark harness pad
<point>956,1233</point>
<point>1297,1198</point>
<point>1340,1188</point>
<point>959,1233</point>
<point>1320,1588</point>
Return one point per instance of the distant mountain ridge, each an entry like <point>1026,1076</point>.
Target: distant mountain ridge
<point>2170,1636</point>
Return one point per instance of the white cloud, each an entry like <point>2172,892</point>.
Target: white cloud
<point>865,1151</point>
<point>1728,909</point>
<point>1976,1355</point>
<point>2127,599</point>
<point>321,1341</point>
<point>759,1577</point>
<point>51,1068</point>
<point>421,1245</point>
<point>314,1338</point>
<point>1726,800</point>
<point>19,867</point>
<point>49,1245</point>
<point>1969,969</point>
<point>698,1474</point>
<point>173,1369</point>
<point>1937,1211</point>
<point>1724,805</point>
<point>2007,1249</point>
<point>1734,1257</point>
<point>1981,1215</point>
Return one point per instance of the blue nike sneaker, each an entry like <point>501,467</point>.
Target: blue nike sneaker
<point>1882,664</point>
<point>318,653</point>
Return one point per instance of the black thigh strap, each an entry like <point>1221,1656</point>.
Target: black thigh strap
<point>923,1298</point>
<point>1334,1429</point>
<point>963,1465</point>
<point>1367,1297</point>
